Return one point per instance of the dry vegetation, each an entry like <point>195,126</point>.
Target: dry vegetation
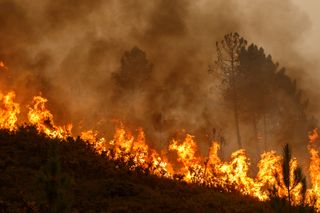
<point>39,174</point>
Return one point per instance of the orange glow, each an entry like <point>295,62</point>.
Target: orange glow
<point>2,65</point>
<point>9,111</point>
<point>314,169</point>
<point>39,116</point>
<point>131,148</point>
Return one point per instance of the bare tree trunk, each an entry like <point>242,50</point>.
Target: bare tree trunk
<point>222,144</point>
<point>265,131</point>
<point>289,197</point>
<point>255,132</point>
<point>235,101</point>
<point>205,170</point>
<point>236,117</point>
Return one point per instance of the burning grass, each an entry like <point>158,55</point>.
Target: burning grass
<point>131,151</point>
<point>90,182</point>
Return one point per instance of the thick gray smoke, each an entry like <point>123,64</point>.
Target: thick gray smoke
<point>70,50</point>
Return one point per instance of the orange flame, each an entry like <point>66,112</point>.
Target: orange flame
<point>314,170</point>
<point>132,149</point>
<point>9,111</point>
<point>39,116</point>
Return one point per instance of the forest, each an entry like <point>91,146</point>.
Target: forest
<point>166,106</point>
<point>257,92</point>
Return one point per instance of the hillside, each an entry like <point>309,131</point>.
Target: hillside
<point>31,181</point>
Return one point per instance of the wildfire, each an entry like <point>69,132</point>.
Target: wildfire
<point>131,149</point>
<point>314,169</point>
<point>269,165</point>
<point>9,111</point>
<point>92,138</point>
<point>39,116</point>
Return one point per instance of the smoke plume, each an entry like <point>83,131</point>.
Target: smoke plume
<point>70,51</point>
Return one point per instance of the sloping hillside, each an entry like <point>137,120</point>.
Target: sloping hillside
<point>38,174</point>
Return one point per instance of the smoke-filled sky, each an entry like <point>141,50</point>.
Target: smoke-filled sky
<point>309,48</point>
<point>69,51</point>
<point>311,8</point>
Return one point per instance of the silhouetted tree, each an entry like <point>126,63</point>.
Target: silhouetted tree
<point>291,182</point>
<point>134,71</point>
<point>291,106</point>
<point>228,61</point>
<point>255,84</point>
<point>268,98</point>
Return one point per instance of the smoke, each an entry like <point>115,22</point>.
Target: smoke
<point>70,50</point>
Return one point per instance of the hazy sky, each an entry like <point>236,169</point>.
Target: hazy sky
<point>309,48</point>
<point>310,43</point>
<point>70,53</point>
